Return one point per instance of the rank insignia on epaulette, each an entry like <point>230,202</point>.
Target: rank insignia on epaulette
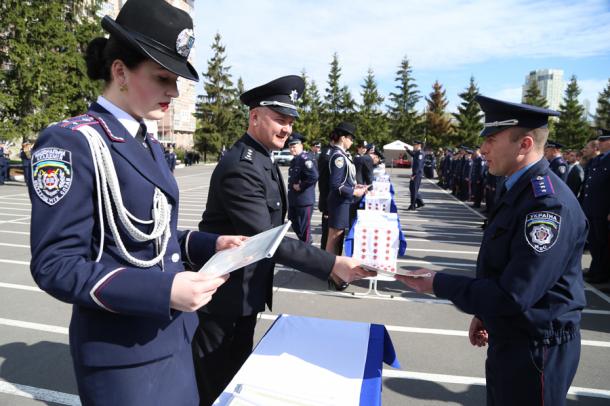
<point>74,123</point>
<point>248,154</point>
<point>542,186</point>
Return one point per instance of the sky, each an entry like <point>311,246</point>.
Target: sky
<point>496,42</point>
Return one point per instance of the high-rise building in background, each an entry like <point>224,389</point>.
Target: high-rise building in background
<point>550,84</point>
<point>178,124</point>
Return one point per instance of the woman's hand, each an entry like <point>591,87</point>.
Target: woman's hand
<point>229,241</point>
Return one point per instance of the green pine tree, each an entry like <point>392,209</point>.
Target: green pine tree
<point>43,78</point>
<point>533,96</point>
<point>469,116</point>
<point>602,113</point>
<point>310,110</point>
<point>333,97</point>
<point>348,105</point>
<point>370,120</point>
<point>214,110</point>
<point>402,112</point>
<point>572,129</point>
<point>438,127</point>
<point>239,120</point>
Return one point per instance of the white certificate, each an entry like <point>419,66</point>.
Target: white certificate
<point>255,248</point>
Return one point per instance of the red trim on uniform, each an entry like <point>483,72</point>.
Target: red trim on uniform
<point>103,285</point>
<point>107,129</point>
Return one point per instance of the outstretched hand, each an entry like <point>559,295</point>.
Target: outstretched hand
<point>348,269</point>
<point>420,285</point>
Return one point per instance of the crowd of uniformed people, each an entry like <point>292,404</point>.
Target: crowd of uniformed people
<point>148,330</point>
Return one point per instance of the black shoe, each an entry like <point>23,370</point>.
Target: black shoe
<point>411,207</point>
<point>419,204</point>
<point>332,285</point>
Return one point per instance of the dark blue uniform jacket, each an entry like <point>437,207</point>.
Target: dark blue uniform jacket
<point>247,196</point>
<point>560,167</point>
<point>303,171</point>
<point>529,282</point>
<point>417,167</point>
<point>121,313</point>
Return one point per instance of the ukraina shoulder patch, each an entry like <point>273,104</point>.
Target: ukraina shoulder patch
<point>339,162</point>
<point>52,174</point>
<point>542,229</point>
<point>308,164</point>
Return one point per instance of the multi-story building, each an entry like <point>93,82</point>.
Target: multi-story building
<point>550,84</point>
<point>178,124</point>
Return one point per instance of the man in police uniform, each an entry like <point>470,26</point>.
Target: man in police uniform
<point>315,151</point>
<point>558,165</point>
<point>302,178</point>
<point>576,174</point>
<point>247,193</point>
<point>596,204</point>
<point>417,171</point>
<point>528,292</point>
<point>429,163</point>
<point>477,175</point>
<point>466,168</point>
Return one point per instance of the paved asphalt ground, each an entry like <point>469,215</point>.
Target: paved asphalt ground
<point>440,367</point>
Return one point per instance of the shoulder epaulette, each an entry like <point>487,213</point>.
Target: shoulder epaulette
<point>77,122</point>
<point>247,154</point>
<point>542,186</point>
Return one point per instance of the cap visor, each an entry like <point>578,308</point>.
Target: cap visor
<point>284,110</point>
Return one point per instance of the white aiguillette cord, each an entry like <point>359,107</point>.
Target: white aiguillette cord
<point>107,181</point>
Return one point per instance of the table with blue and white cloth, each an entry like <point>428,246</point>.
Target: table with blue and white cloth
<point>310,361</point>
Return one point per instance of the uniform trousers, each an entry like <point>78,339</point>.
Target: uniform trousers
<point>414,189</point>
<point>477,192</point>
<point>519,373</point>
<point>599,247</point>
<point>220,347</point>
<point>168,381</point>
<point>301,221</point>
<point>324,226</point>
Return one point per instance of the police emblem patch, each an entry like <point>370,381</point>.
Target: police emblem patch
<point>308,164</point>
<point>52,174</point>
<point>339,162</point>
<point>185,42</point>
<point>542,229</point>
<point>562,169</point>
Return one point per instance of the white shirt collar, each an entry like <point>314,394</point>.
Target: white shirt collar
<point>131,124</point>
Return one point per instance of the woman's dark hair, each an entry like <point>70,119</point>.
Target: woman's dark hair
<point>101,52</point>
<point>336,134</point>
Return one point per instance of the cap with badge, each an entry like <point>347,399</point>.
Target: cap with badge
<point>370,148</point>
<point>158,30</point>
<point>345,128</point>
<point>317,144</point>
<point>416,142</point>
<point>500,115</point>
<point>603,134</point>
<point>295,138</point>
<point>280,95</point>
<point>553,144</point>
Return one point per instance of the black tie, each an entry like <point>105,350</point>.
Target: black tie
<point>141,135</point>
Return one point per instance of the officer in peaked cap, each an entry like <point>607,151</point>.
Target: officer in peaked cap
<point>316,147</point>
<point>247,196</point>
<point>552,152</point>
<point>528,293</point>
<point>302,178</point>
<point>596,204</point>
<point>133,300</point>
<point>417,171</point>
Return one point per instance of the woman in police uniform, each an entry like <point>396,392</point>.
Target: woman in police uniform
<point>342,186</point>
<point>104,220</point>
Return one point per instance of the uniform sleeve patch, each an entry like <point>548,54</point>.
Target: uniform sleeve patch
<point>562,169</point>
<point>542,230</point>
<point>339,162</point>
<point>52,174</point>
<point>308,164</point>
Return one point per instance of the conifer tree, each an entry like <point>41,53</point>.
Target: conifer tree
<point>572,129</point>
<point>533,96</point>
<point>310,109</point>
<point>402,112</point>
<point>469,116</point>
<point>438,127</point>
<point>602,113</point>
<point>43,75</point>
<point>334,97</point>
<point>239,119</point>
<point>214,110</point>
<point>370,120</point>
